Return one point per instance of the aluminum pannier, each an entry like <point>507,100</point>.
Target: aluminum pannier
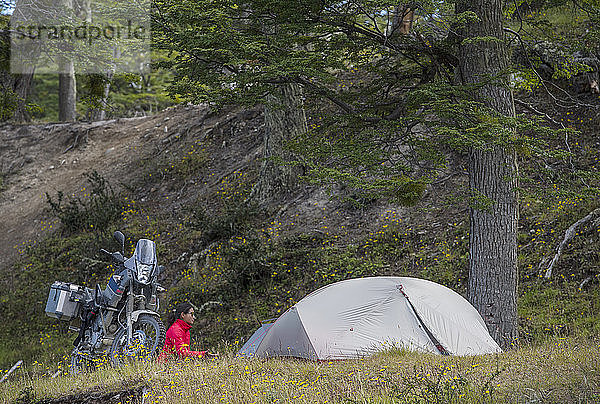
<point>64,301</point>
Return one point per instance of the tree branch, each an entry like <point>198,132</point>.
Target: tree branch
<point>540,113</point>
<point>569,234</point>
<point>349,109</point>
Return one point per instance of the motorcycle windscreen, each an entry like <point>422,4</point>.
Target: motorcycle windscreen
<point>145,252</point>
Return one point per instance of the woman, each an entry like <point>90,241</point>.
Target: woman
<point>177,341</point>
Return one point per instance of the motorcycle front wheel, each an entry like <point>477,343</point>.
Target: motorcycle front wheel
<point>81,362</point>
<point>147,339</point>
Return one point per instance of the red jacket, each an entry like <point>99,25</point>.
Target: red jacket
<point>177,342</point>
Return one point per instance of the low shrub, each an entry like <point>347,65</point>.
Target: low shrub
<point>232,220</point>
<point>96,210</point>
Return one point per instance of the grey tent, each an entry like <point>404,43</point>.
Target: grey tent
<point>249,348</point>
<point>358,317</point>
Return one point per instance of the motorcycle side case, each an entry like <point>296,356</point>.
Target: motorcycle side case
<point>64,301</point>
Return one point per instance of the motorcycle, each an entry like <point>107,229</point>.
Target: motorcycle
<point>120,323</point>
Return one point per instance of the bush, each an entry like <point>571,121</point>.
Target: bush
<point>248,258</point>
<point>8,104</point>
<point>234,219</point>
<point>98,211</point>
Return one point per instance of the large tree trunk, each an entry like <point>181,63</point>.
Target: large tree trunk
<point>284,119</point>
<point>493,178</point>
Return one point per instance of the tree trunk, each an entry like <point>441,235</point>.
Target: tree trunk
<point>99,114</point>
<point>21,80</point>
<point>492,178</point>
<point>22,84</point>
<point>402,20</point>
<point>284,119</point>
<point>67,91</point>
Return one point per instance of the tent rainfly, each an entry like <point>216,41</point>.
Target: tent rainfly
<point>358,317</point>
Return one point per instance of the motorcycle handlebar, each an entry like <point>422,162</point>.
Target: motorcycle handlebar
<point>116,255</point>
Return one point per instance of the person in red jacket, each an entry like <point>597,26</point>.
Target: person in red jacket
<point>177,341</point>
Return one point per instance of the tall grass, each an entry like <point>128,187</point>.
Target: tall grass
<point>560,371</point>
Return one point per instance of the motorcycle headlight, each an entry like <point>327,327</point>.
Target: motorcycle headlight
<point>143,273</point>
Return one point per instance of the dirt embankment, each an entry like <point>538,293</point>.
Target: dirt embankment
<point>47,158</point>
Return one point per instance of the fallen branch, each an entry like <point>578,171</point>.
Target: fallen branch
<point>569,234</point>
<point>131,395</point>
<point>540,113</point>
<point>91,261</point>
<point>209,303</point>
<point>585,282</point>
<point>15,366</point>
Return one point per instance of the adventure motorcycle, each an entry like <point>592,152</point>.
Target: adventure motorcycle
<point>120,323</point>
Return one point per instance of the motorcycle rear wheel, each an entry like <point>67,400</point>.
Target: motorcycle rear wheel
<point>148,338</point>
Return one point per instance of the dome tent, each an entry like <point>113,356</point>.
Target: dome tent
<point>357,317</point>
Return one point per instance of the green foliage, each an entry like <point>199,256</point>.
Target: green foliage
<point>91,89</point>
<point>230,57</point>
<point>129,95</point>
<point>139,95</point>
<point>568,69</point>
<point>234,219</point>
<point>527,80</point>
<point>248,259</point>
<point>383,107</point>
<point>8,103</point>
<point>481,202</point>
<point>558,41</point>
<point>44,95</point>
<point>99,208</point>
